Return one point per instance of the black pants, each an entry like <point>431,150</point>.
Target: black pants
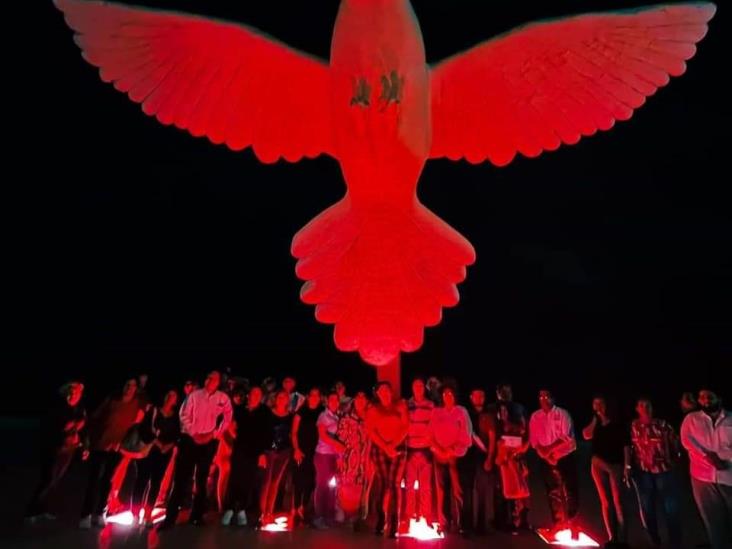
<point>304,481</point>
<point>483,511</point>
<point>245,486</point>
<point>150,473</point>
<point>54,464</point>
<point>466,473</point>
<point>191,457</point>
<point>561,488</point>
<point>102,466</point>
<point>454,484</point>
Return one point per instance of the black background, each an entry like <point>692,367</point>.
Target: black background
<point>134,247</point>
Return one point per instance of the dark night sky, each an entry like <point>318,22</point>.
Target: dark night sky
<point>132,246</point>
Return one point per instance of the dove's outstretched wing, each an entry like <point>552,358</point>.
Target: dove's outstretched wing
<point>222,80</point>
<point>553,82</point>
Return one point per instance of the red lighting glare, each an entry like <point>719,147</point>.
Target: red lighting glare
<point>126,518</point>
<point>280,523</point>
<point>563,538</point>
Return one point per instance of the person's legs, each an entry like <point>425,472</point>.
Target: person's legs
<point>567,467</point>
<point>380,463</point>
<point>110,462</point>
<point>323,474</point>
<point>554,492</point>
<point>441,484</point>
<point>203,456</point>
<point>615,477</point>
<point>158,467</point>
<point>482,498</point>
<point>599,474</point>
<point>54,465</point>
<point>466,478</point>
<point>411,473</point>
<point>394,488</point>
<point>667,488</point>
<point>426,477</point>
<point>96,463</point>
<point>276,466</point>
<point>182,476</point>
<point>144,474</point>
<point>645,489</point>
<point>715,507</point>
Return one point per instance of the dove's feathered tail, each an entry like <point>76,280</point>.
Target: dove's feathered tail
<point>380,278</point>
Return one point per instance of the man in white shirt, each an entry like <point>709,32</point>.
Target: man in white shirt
<point>204,416</point>
<point>707,436</point>
<point>551,434</point>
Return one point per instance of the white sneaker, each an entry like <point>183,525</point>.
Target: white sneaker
<point>99,521</point>
<point>241,518</point>
<point>226,517</point>
<point>85,523</point>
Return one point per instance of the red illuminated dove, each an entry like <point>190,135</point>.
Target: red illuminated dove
<point>378,264</point>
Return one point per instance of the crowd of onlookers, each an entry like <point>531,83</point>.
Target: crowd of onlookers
<point>374,460</point>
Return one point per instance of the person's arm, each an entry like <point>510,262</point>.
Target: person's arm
<point>465,434</point>
<point>688,440</point>
<point>628,458</point>
<point>534,435</point>
<point>297,453</point>
<point>371,419</point>
<point>725,442</point>
<point>589,432</point>
<point>186,414</point>
<point>228,416</point>
<point>490,458</point>
<point>147,429</point>
<point>404,430</point>
<point>329,439</point>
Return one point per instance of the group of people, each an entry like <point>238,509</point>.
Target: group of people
<point>372,458</point>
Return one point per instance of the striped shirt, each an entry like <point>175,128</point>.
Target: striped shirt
<point>420,415</point>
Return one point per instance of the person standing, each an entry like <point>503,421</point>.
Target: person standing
<point>61,438</point>
<point>304,441</point>
<point>160,430</point>
<point>654,456</point>
<point>610,444</point>
<point>707,436</point>
<point>204,416</point>
<point>108,426</point>
<point>387,424</point>
<point>452,436</point>
<point>419,465</point>
<point>551,434</point>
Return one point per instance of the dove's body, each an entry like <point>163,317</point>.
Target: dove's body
<point>378,264</point>
<point>379,48</point>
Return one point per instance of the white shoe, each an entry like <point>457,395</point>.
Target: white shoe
<point>241,518</point>
<point>85,523</point>
<point>226,517</point>
<point>99,521</point>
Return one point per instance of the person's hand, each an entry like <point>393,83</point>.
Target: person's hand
<point>340,447</point>
<point>84,455</point>
<point>299,456</point>
<point>488,465</point>
<point>262,462</point>
<point>718,463</point>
